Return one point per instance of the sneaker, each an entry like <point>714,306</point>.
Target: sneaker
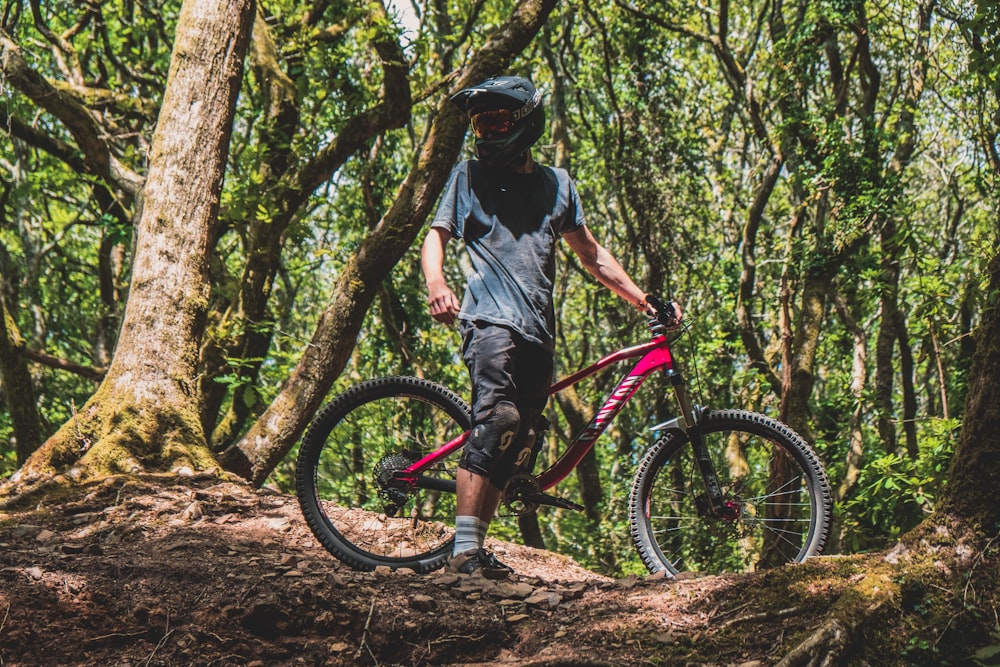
<point>479,561</point>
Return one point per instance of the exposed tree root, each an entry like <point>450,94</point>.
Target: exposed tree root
<point>826,647</point>
<point>46,487</point>
<point>940,557</point>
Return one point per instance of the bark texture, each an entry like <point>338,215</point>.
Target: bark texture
<point>144,416</point>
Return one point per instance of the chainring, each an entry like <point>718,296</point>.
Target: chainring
<point>518,489</point>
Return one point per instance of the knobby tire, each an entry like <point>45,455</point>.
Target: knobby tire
<point>776,494</point>
<point>347,458</point>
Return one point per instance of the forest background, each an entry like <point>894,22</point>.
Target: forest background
<point>816,182</point>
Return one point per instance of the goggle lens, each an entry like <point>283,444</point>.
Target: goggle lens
<point>492,124</point>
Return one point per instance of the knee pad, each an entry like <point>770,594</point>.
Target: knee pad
<point>490,438</point>
<point>514,459</point>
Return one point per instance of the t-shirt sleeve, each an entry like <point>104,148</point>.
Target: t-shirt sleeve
<point>449,213</point>
<point>575,219</point>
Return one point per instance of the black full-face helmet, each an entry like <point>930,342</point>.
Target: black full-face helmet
<point>507,117</point>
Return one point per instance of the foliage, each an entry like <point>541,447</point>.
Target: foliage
<point>988,656</point>
<point>894,494</point>
<point>984,29</point>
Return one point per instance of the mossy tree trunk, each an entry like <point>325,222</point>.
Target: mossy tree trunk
<point>144,416</point>
<point>15,381</point>
<point>975,476</point>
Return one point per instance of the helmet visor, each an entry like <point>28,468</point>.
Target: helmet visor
<point>492,124</point>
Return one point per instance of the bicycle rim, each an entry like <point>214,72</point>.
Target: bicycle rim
<point>777,501</point>
<point>346,464</point>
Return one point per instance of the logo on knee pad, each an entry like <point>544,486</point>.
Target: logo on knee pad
<point>491,438</point>
<point>506,438</point>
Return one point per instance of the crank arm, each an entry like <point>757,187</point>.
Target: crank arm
<point>545,499</point>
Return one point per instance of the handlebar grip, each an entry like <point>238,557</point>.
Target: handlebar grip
<point>665,312</point>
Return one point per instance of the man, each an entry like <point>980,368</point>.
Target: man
<point>510,212</point>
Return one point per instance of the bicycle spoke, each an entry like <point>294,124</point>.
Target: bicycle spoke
<point>769,512</point>
<point>347,482</point>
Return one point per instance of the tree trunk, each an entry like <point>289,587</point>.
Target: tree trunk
<point>144,416</point>
<point>859,376</point>
<point>974,473</point>
<point>280,426</point>
<point>15,379</point>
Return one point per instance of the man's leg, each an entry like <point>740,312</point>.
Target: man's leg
<point>502,441</point>
<point>487,351</point>
<point>478,492</point>
<point>476,496</point>
<point>532,375</point>
<point>476,504</point>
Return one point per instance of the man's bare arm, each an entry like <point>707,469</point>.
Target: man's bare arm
<point>603,266</point>
<point>443,303</point>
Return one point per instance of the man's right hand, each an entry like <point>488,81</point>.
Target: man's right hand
<point>668,312</point>
<point>444,305</point>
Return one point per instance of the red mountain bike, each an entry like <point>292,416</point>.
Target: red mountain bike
<point>718,491</point>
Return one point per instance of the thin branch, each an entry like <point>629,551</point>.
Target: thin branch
<point>95,373</point>
<point>364,633</point>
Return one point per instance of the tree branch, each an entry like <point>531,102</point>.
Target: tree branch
<point>98,157</point>
<point>90,372</point>
<point>392,112</point>
<point>277,430</point>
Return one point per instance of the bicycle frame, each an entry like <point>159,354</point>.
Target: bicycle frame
<point>652,356</point>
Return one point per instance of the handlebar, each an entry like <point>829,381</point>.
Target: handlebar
<point>663,312</point>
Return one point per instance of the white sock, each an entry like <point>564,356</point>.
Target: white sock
<point>466,534</point>
<point>481,533</point>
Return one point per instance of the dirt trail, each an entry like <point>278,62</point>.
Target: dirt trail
<point>203,572</point>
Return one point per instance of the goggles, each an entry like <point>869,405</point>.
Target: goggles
<point>492,124</point>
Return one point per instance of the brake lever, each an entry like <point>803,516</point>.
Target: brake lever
<point>666,314</point>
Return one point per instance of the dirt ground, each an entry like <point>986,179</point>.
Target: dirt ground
<point>202,572</point>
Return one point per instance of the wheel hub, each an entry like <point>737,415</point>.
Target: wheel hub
<point>730,511</point>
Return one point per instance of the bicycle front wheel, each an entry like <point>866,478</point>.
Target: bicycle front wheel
<point>345,474</point>
<point>777,504</point>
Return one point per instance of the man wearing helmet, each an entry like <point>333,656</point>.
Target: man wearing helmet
<point>510,212</point>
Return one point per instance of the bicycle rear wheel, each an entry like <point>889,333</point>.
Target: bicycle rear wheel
<point>344,475</point>
<point>777,500</point>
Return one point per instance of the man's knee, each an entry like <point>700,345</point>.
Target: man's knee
<point>490,438</point>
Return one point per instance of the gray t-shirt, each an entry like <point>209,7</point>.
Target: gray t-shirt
<point>510,224</point>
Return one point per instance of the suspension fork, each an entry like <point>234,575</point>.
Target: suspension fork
<point>690,414</point>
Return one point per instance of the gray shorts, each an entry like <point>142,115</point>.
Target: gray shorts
<point>504,367</point>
